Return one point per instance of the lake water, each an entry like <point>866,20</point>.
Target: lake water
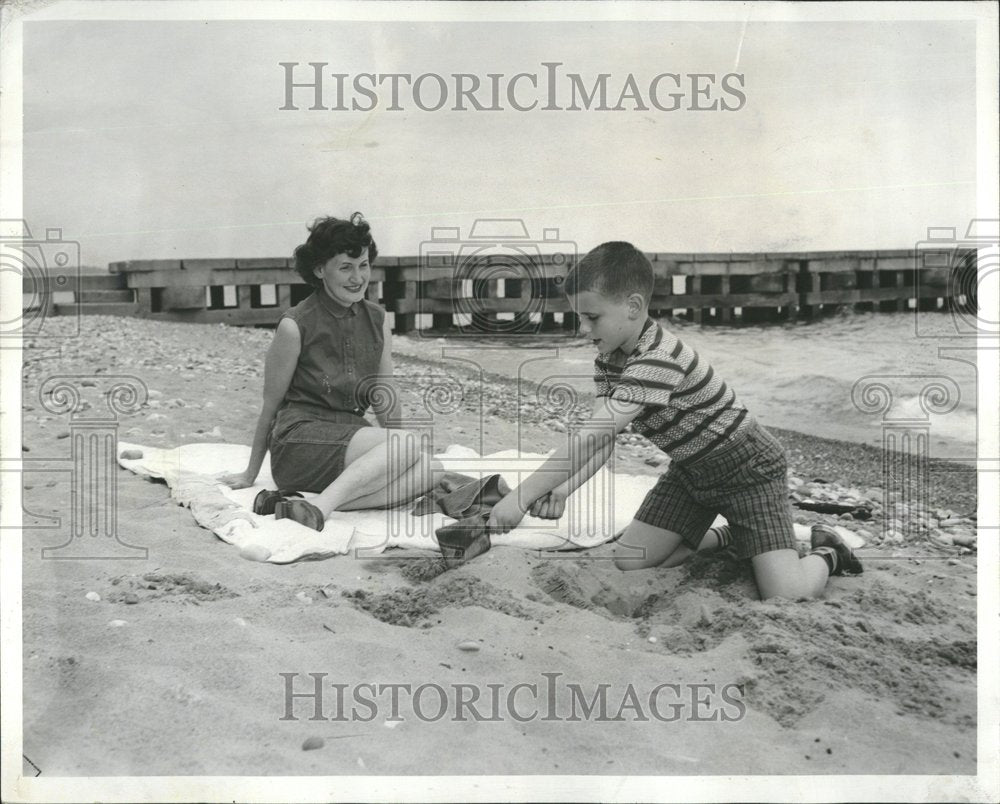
<point>797,376</point>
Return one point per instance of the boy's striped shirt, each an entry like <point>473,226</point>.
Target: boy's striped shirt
<point>688,410</point>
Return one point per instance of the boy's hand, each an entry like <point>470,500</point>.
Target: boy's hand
<point>551,505</point>
<point>506,515</point>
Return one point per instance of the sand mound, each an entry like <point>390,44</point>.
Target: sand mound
<point>412,606</point>
<point>881,639</point>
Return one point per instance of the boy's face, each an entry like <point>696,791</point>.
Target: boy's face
<point>610,323</point>
<point>345,278</point>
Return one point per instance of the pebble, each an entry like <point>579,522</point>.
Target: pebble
<point>559,427</point>
<point>652,640</point>
<point>88,383</point>
<point>154,417</point>
<point>153,394</point>
<point>954,562</point>
<point>964,539</point>
<point>131,454</point>
<point>468,645</point>
<point>62,434</point>
<point>240,622</point>
<point>304,597</point>
<point>655,460</point>
<point>706,615</point>
<point>117,623</point>
<point>131,598</point>
<point>255,552</point>
<point>93,596</point>
<point>894,536</point>
<point>312,743</point>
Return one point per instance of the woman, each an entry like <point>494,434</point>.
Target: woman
<point>331,359</point>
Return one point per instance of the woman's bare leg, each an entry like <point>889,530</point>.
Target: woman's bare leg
<point>375,459</point>
<point>417,480</point>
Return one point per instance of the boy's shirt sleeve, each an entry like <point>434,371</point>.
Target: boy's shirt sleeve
<point>647,379</point>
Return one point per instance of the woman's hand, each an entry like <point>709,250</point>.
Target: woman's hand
<point>237,480</point>
<point>551,505</point>
<point>506,515</point>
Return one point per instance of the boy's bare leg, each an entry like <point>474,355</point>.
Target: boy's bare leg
<point>781,573</point>
<point>642,546</point>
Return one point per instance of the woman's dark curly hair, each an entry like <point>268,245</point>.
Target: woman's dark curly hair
<point>329,237</point>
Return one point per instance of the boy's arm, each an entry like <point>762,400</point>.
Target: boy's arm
<point>586,450</point>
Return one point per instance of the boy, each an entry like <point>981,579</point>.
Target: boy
<point>722,460</point>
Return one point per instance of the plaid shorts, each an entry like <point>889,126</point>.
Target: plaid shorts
<point>745,481</point>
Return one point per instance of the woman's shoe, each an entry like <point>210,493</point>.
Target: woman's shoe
<point>265,500</point>
<point>301,511</point>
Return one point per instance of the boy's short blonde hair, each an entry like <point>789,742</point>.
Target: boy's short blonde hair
<point>616,269</point>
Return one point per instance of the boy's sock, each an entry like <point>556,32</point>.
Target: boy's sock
<point>829,545</point>
<point>723,536</point>
<point>829,555</point>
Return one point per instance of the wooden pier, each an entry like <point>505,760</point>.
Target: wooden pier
<point>507,295</point>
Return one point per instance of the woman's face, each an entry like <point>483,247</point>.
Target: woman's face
<point>345,278</point>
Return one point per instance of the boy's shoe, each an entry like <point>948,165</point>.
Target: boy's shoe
<point>823,536</point>
<point>265,500</point>
<point>301,511</point>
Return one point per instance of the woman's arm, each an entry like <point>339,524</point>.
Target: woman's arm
<point>279,368</point>
<point>387,406</point>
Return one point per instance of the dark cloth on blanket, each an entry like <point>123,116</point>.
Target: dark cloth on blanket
<point>464,540</point>
<point>460,496</point>
<point>469,500</point>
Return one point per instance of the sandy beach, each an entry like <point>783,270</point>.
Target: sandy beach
<point>173,665</point>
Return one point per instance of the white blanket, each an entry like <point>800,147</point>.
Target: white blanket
<point>595,512</point>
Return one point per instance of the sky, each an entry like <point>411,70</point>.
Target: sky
<point>165,139</point>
